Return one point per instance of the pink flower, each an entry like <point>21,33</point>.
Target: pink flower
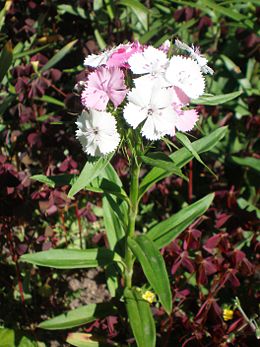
<point>120,57</point>
<point>103,85</point>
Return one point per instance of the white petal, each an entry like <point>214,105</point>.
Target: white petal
<point>95,60</point>
<point>134,114</point>
<point>151,60</point>
<point>161,97</point>
<point>141,95</point>
<point>185,73</point>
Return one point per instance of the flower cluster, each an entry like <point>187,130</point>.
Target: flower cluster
<point>154,89</point>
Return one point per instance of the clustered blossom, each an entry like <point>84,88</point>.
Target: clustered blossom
<point>154,90</point>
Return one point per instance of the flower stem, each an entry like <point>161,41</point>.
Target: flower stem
<point>133,210</point>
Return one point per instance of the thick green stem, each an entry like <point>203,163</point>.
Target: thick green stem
<point>133,210</point>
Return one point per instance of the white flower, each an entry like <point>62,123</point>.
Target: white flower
<point>185,74</point>
<point>195,54</point>
<point>97,132</point>
<point>151,105</point>
<point>151,60</point>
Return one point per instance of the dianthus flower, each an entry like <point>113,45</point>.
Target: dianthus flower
<point>97,132</point>
<point>103,85</point>
<point>185,74</point>
<point>151,104</point>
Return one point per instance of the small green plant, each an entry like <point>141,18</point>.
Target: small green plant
<point>135,96</point>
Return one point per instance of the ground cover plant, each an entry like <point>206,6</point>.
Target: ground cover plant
<point>214,259</point>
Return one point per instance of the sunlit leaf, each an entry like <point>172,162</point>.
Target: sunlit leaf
<point>58,56</point>
<point>181,157</point>
<point>187,144</point>
<point>154,268</point>
<point>140,318</point>
<point>139,10</point>
<point>71,258</point>
<point>168,230</point>
<point>88,174</point>
<point>217,99</point>
<point>78,316</point>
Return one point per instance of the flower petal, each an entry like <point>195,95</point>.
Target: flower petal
<point>186,120</point>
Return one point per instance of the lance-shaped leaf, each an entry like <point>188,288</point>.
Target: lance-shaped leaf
<point>187,144</point>
<point>79,316</point>
<point>88,174</point>
<point>89,340</point>
<point>181,157</point>
<point>154,268</point>
<point>6,59</point>
<point>72,258</point>
<point>3,12</point>
<point>55,181</point>
<point>166,231</point>
<point>163,161</point>
<point>217,99</point>
<point>138,9</point>
<point>58,56</point>
<point>140,318</point>
<point>113,219</point>
<point>251,162</point>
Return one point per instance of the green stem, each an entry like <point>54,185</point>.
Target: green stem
<point>133,210</point>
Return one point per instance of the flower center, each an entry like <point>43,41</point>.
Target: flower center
<point>183,77</point>
<point>150,112</point>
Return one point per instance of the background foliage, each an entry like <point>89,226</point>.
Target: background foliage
<point>43,45</point>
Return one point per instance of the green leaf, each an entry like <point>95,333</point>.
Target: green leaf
<point>88,340</point>
<point>250,162</point>
<point>6,7</point>
<point>7,102</point>
<point>113,220</point>
<point>140,317</point>
<point>79,316</point>
<point>88,174</point>
<point>248,206</point>
<point>166,231</point>
<point>7,337</point>
<point>6,59</point>
<point>29,51</point>
<point>58,56</point>
<point>100,40</point>
<point>14,338</point>
<point>181,157</point>
<point>217,100</point>
<point>162,161</point>
<point>51,100</point>
<point>74,10</point>
<point>26,342</point>
<point>186,143</point>
<point>224,11</point>
<point>217,9</point>
<point>113,275</point>
<point>71,258</point>
<point>154,268</point>
<point>138,9</point>
<point>55,181</point>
